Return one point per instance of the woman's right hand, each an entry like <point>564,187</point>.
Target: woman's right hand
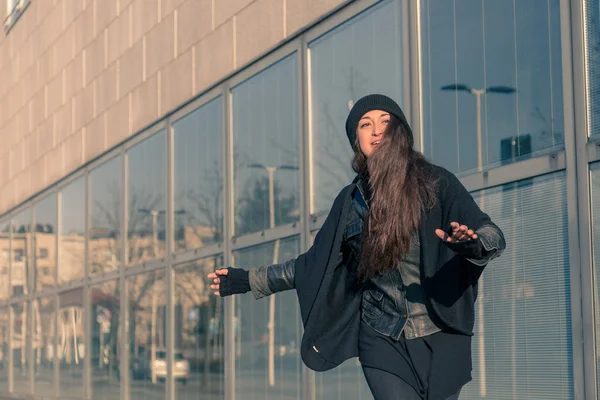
<point>229,281</point>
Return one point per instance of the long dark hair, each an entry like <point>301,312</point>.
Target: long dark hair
<point>401,189</point>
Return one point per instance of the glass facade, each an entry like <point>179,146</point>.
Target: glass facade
<point>524,307</point>
<point>492,81</point>
<point>105,340</point>
<point>103,288</point>
<point>265,148</point>
<point>267,332</point>
<point>71,242</point>
<point>362,56</point>
<point>147,200</point>
<point>43,343</point>
<point>44,243</point>
<point>199,177</point>
<point>104,232</point>
<point>200,340</point>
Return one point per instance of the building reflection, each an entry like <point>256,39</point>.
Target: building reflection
<point>198,316</point>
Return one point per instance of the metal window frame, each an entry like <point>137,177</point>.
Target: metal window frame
<point>308,376</point>
<point>15,14</point>
<point>228,220</point>
<point>577,256</point>
<point>583,151</point>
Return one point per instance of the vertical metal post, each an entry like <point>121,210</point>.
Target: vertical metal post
<point>124,298</point>
<point>271,323</point>
<point>478,94</point>
<point>228,218</point>
<point>578,200</point>
<point>411,18</point>
<point>56,361</point>
<point>31,294</point>
<point>55,342</point>
<point>11,321</point>
<point>87,306</point>
<point>169,221</point>
<point>308,376</point>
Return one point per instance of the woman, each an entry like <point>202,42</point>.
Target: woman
<point>392,275</point>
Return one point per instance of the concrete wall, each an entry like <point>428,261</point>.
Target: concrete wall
<point>79,76</point>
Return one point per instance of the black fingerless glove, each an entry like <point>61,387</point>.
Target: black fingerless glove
<point>235,282</point>
<point>468,248</point>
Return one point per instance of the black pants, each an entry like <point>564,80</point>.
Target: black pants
<point>386,386</point>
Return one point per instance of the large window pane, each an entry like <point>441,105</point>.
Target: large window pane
<point>146,163</point>
<point>265,130</point>
<point>522,347</point>
<point>44,350</point>
<point>595,188</point>
<point>21,339</point>
<point>105,209</point>
<point>4,259</point>
<point>71,251</point>
<point>105,341</point>
<point>4,348</point>
<point>71,345</point>
<point>44,243</point>
<point>361,57</point>
<point>147,335</point>
<point>21,251</point>
<point>199,336</point>
<point>509,50</point>
<point>199,177</point>
<point>267,362</point>
<point>592,27</point>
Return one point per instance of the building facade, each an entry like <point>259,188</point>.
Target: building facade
<point>144,143</point>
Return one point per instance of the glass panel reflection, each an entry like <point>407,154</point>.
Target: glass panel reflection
<point>199,333</point>
<point>265,130</point>
<point>4,348</point>
<point>21,340</point>
<point>44,350</point>
<point>20,245</point>
<point>267,364</point>
<point>147,334</point>
<point>105,209</point>
<point>147,199</point>
<point>492,81</point>
<point>595,189</point>
<point>592,28</point>
<point>72,232</point>
<point>199,177</point>
<point>360,57</point>
<point>44,243</point>
<point>4,259</point>
<point>71,348</point>
<point>523,322</point>
<point>104,299</point>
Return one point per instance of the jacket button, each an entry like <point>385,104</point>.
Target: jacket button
<point>404,316</point>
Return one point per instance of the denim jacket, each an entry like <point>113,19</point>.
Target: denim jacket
<point>392,303</point>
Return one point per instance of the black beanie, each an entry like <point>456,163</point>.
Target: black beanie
<point>370,103</point>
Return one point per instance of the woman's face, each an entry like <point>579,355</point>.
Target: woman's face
<point>370,130</point>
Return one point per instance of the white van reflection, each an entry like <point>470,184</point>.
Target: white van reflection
<point>146,368</point>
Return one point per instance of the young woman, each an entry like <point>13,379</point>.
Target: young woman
<point>392,275</point>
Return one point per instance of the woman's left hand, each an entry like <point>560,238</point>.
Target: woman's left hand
<point>460,233</point>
